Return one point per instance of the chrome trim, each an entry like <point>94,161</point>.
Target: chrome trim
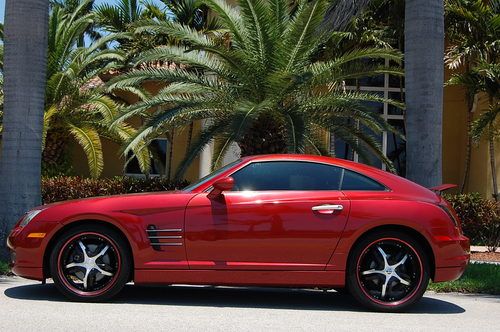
<point>164,230</point>
<point>165,237</point>
<point>167,244</point>
<point>337,207</point>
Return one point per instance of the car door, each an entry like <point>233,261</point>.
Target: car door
<point>281,215</point>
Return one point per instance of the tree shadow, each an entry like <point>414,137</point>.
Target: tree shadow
<point>237,297</point>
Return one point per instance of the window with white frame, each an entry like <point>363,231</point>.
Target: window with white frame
<point>393,146</point>
<point>159,162</point>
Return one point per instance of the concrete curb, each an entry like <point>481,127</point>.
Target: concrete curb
<point>485,262</point>
<point>481,249</point>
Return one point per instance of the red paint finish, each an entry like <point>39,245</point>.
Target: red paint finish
<point>252,238</point>
<point>273,230</point>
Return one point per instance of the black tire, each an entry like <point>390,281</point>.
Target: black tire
<point>404,271</point>
<point>106,258</point>
<point>342,291</point>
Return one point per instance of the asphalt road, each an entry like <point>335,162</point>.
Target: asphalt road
<point>30,306</point>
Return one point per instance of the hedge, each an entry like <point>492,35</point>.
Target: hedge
<point>63,188</point>
<point>480,218</point>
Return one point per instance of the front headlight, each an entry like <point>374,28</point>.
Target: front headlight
<point>28,217</point>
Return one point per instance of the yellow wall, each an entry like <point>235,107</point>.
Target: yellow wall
<point>454,144</point>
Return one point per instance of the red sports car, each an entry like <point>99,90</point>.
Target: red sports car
<point>277,220</point>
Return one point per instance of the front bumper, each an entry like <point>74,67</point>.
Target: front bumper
<point>27,253</point>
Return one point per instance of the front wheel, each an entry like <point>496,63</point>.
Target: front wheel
<point>388,271</point>
<point>90,263</point>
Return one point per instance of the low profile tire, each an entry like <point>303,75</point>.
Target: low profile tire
<point>388,271</point>
<point>342,291</point>
<point>90,263</point>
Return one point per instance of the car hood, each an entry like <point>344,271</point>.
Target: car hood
<point>140,203</point>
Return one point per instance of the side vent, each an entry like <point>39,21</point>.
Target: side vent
<point>159,238</point>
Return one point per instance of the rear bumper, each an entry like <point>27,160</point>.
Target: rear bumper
<point>453,264</point>
<point>449,273</point>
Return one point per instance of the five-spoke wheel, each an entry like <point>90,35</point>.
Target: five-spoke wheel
<point>90,263</point>
<point>388,271</point>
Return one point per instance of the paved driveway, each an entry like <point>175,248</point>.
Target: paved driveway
<point>30,306</point>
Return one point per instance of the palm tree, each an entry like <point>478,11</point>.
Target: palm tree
<point>79,8</point>
<point>26,26</point>
<point>473,27</point>
<point>76,106</point>
<point>261,85</point>
<point>193,14</point>
<point>488,77</point>
<point>121,18</point>
<point>424,77</point>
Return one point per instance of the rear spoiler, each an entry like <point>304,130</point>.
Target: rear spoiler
<point>439,189</point>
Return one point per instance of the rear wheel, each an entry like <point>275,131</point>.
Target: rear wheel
<point>388,271</point>
<point>90,263</point>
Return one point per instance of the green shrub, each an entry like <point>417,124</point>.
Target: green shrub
<point>4,268</point>
<point>480,218</point>
<point>63,188</point>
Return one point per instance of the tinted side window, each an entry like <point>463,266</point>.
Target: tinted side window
<point>287,175</point>
<point>356,181</point>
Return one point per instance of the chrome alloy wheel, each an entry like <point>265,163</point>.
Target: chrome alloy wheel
<point>389,271</point>
<point>88,263</point>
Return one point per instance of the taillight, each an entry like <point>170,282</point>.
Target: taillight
<point>450,214</point>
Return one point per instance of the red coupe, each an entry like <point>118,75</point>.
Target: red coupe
<point>277,220</point>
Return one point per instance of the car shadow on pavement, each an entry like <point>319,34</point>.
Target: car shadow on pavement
<point>244,297</point>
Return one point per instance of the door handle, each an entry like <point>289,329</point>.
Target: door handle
<point>327,208</point>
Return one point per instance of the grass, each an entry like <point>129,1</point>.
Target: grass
<point>478,278</point>
<point>4,268</point>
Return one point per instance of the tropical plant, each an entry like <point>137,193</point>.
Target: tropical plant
<point>473,28</point>
<point>76,106</point>
<point>192,13</point>
<point>264,90</point>
<point>25,29</point>
<point>74,7</point>
<point>121,17</point>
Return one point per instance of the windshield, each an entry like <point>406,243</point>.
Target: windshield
<point>211,176</point>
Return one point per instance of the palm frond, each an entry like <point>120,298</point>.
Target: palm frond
<point>89,140</point>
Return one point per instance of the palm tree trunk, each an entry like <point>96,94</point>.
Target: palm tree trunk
<point>26,26</point>
<point>471,107</point>
<point>171,155</point>
<point>190,136</point>
<point>424,67</point>
<point>493,163</point>
<point>468,150</point>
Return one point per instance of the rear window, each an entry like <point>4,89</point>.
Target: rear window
<point>356,181</point>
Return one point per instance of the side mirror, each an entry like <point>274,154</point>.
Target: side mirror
<point>220,186</point>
